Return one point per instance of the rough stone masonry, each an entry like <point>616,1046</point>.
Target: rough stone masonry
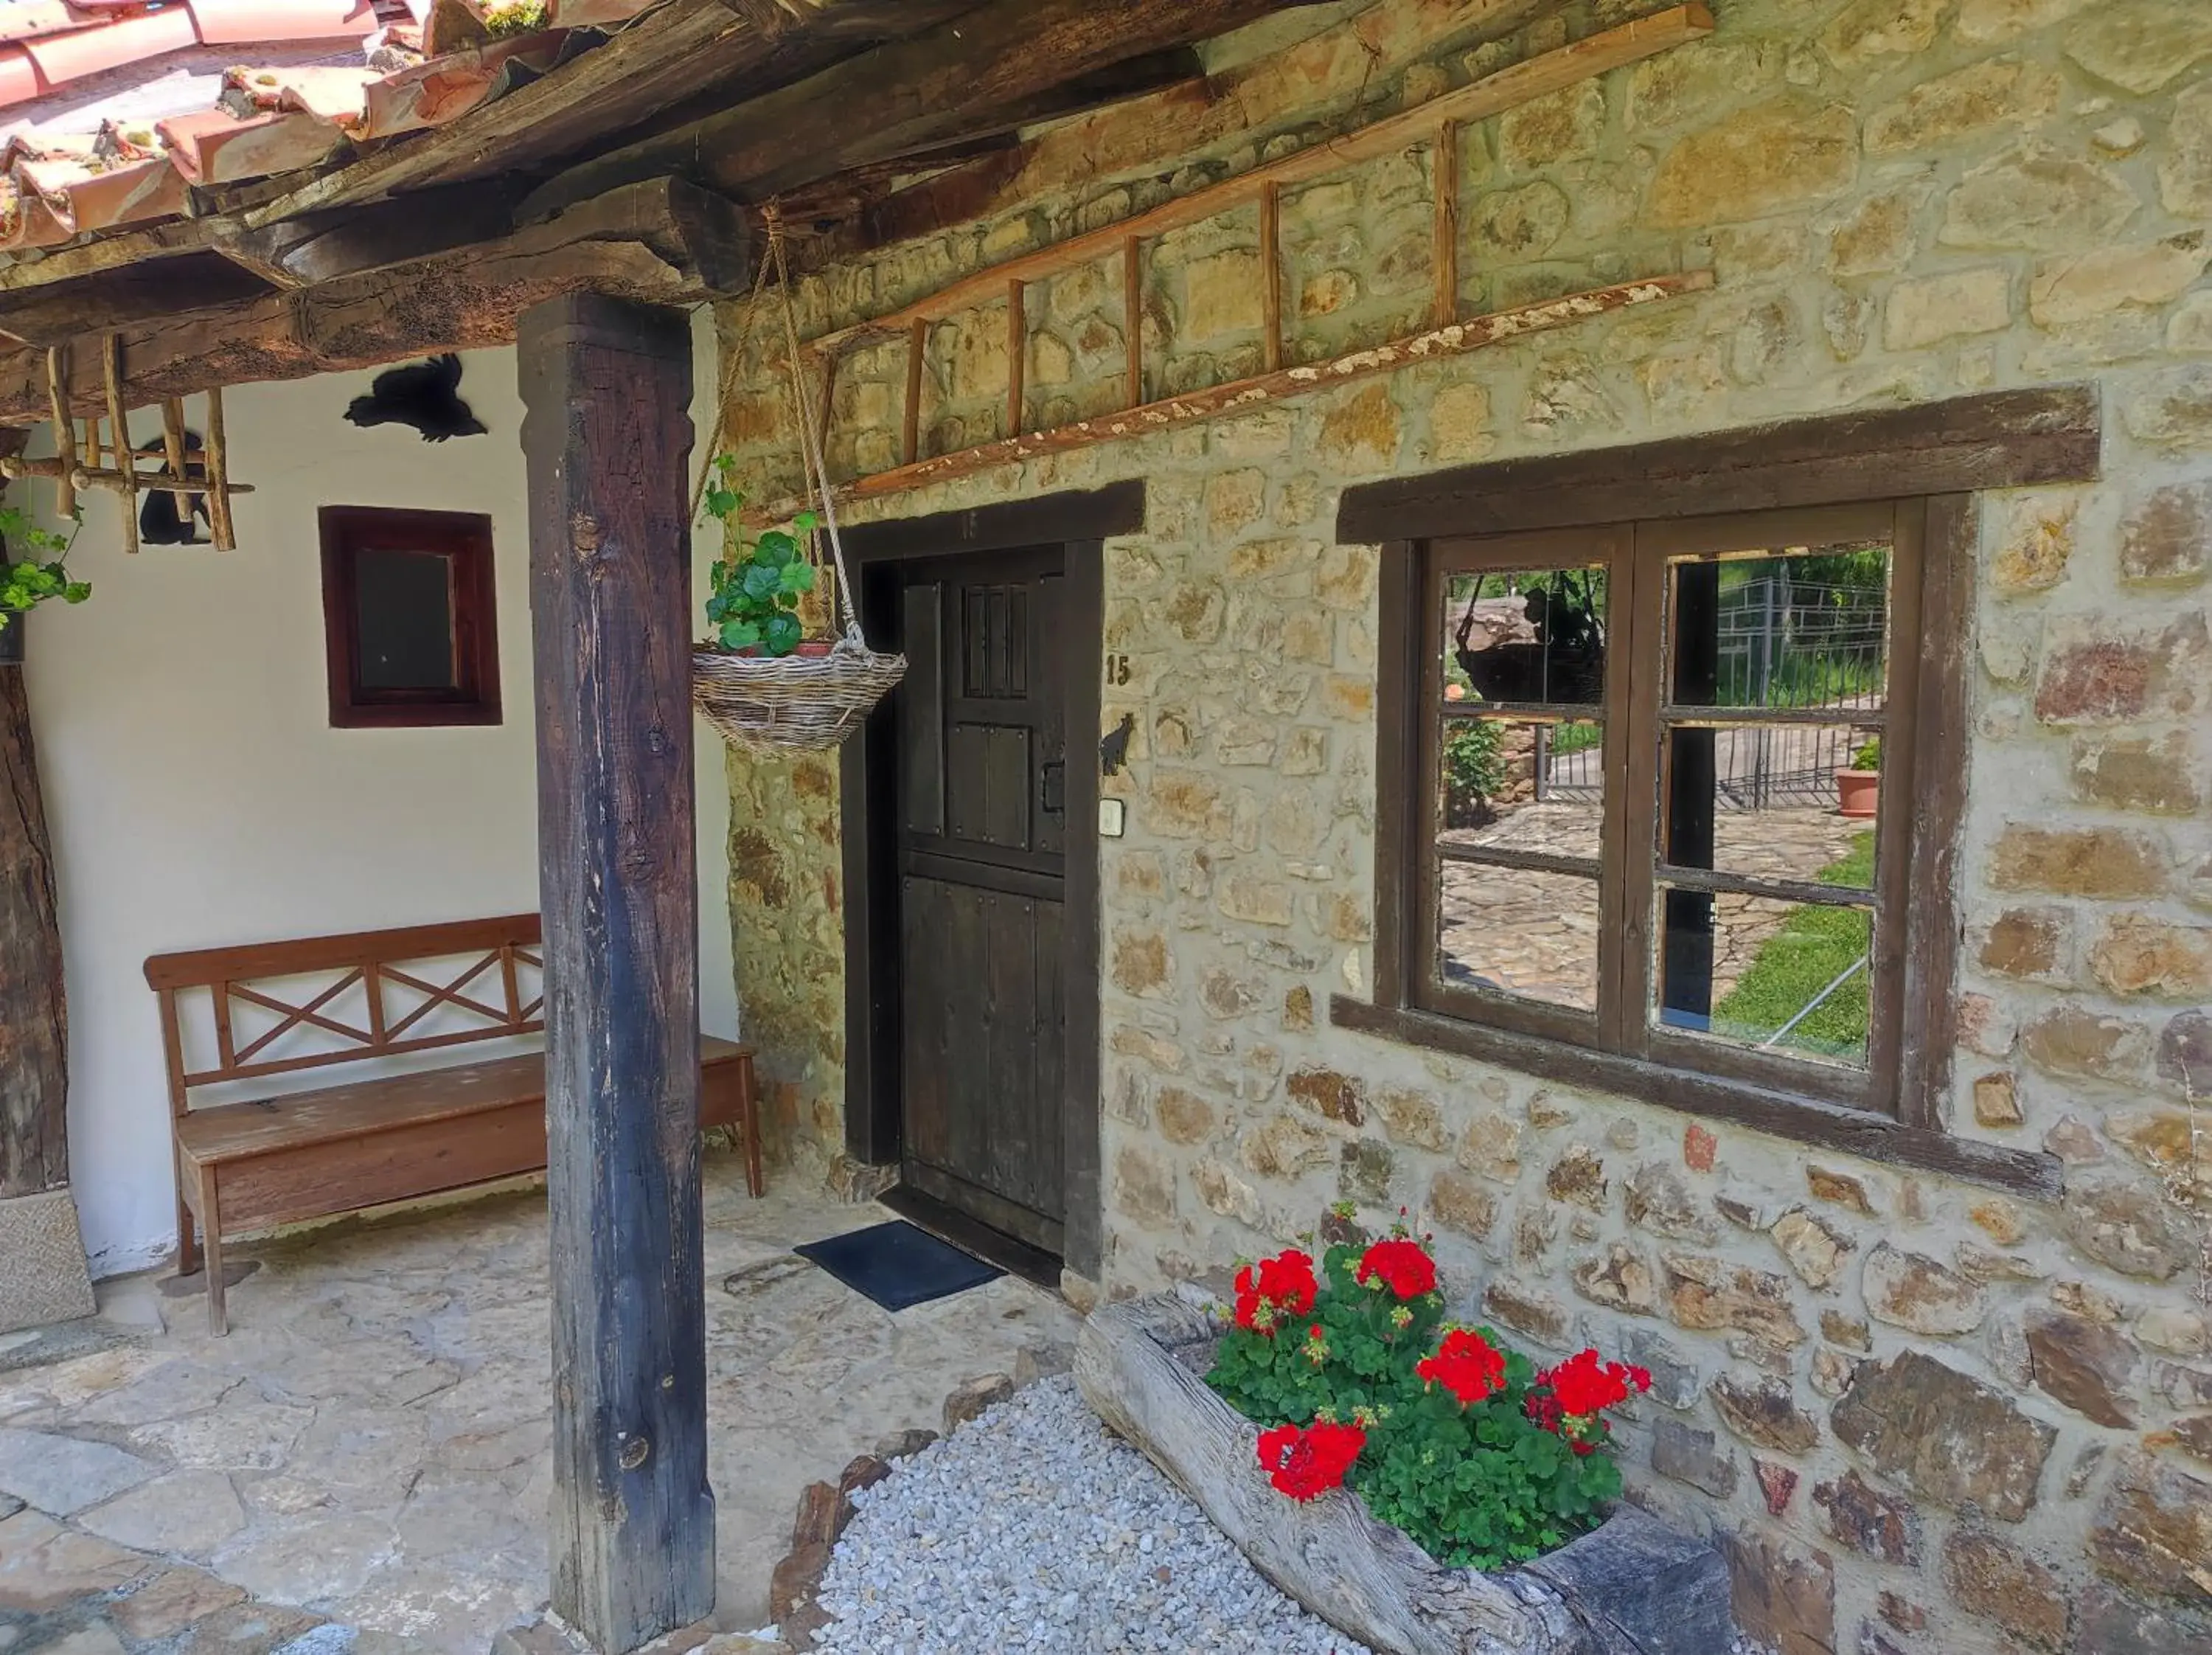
<point>1926,1417</point>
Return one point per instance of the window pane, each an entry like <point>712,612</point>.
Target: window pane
<point>406,609</point>
<point>1515,932</point>
<point>1527,637</point>
<point>1799,627</point>
<point>1755,972</point>
<point>1763,802</point>
<point>1518,784</point>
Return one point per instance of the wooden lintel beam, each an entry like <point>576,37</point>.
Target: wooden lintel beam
<point>1241,396</point>
<point>661,241</point>
<point>1509,89</point>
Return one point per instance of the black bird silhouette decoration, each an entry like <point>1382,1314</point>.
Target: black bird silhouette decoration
<point>159,522</point>
<point>425,396</point>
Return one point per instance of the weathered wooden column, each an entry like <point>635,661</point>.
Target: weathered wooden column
<point>42,1269</point>
<point>608,436</point>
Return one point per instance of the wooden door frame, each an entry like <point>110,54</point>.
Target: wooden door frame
<point>1080,523</point>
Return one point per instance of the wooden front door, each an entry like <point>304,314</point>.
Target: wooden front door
<point>982,797</point>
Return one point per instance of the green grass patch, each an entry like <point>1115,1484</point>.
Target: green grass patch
<point>1814,945</point>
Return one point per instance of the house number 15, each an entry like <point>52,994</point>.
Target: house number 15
<point>1117,670</point>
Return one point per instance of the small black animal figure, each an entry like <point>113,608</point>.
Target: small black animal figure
<point>424,396</point>
<point>1114,750</point>
<point>159,523</point>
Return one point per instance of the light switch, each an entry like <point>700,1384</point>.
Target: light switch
<point>1113,818</point>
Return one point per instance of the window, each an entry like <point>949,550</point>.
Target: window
<point>1619,699</point>
<point>1630,831</point>
<point>407,614</point>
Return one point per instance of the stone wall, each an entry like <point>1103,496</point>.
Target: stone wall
<point>1929,1417</point>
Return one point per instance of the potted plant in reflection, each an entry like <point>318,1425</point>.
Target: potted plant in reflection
<point>1858,787</point>
<point>25,581</point>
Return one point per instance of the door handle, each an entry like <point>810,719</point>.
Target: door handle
<point>1053,787</point>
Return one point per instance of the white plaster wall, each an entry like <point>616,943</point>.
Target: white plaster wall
<point>198,797</point>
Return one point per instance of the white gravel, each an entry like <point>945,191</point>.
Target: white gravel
<point>1034,1528</point>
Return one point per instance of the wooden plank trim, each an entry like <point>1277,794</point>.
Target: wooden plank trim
<point>1091,514</point>
<point>1017,353</point>
<point>1614,48</point>
<point>1242,394</point>
<point>2001,440</point>
<point>1929,1031</point>
<point>1270,273</point>
<point>1133,317</point>
<point>254,961</point>
<point>1851,1132</point>
<point>917,358</point>
<point>1447,224</point>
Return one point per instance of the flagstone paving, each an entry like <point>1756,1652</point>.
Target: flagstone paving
<point>368,1455</point>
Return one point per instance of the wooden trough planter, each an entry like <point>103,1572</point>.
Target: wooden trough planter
<point>1633,1587</point>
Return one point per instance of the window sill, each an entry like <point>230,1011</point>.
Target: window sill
<point>1875,1137</point>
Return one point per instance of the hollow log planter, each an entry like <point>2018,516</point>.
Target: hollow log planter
<point>1632,1587</point>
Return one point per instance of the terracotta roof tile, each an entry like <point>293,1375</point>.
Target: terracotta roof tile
<point>111,45</point>
<point>19,75</point>
<point>270,119</point>
<point>25,20</point>
<point>239,23</point>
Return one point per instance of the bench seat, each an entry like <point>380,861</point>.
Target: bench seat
<point>390,1137</point>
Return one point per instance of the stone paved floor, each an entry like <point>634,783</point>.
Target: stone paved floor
<point>370,1444</point>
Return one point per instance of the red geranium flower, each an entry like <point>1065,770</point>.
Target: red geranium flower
<point>1584,1386</point>
<point>1306,1464</point>
<point>1403,1266</point>
<point>1275,1287</point>
<point>1465,1365</point>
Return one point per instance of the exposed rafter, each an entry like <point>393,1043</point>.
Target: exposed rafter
<point>911,93</point>
<point>663,241</point>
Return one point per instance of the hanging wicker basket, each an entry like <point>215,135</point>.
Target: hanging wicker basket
<point>807,702</point>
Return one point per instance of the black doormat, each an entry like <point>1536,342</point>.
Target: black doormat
<point>899,1266</point>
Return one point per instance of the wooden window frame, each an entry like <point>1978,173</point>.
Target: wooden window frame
<point>463,537</point>
<point>1939,456</point>
<point>1637,558</point>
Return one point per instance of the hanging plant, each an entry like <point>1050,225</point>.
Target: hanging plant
<point>26,582</point>
<point>759,680</point>
<point>759,580</point>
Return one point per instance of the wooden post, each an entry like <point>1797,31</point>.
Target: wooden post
<point>1271,271</point>
<point>118,425</point>
<point>1133,316</point>
<point>1017,356</point>
<point>1447,224</point>
<point>34,1079</point>
<point>917,359</point>
<point>607,438</point>
<point>64,433</point>
<point>219,527</point>
<point>172,450</point>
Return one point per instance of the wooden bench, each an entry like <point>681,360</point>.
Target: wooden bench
<point>278,1008</point>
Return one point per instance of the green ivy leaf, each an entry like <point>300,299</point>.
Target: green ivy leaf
<point>740,634</point>
<point>799,576</point>
<point>724,502</point>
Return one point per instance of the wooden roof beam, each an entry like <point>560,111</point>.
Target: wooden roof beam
<point>909,93</point>
<point>668,57</point>
<point>662,241</point>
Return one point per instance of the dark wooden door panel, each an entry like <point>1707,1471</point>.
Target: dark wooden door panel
<point>991,768</point>
<point>984,1049</point>
<point>982,811</point>
<point>921,712</point>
